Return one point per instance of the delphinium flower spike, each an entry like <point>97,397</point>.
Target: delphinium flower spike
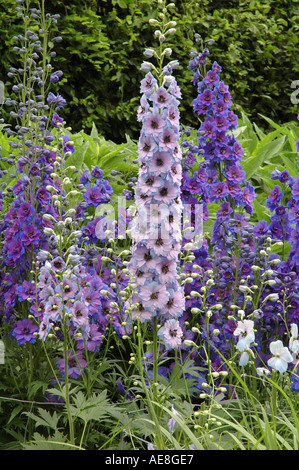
<point>220,173</point>
<point>156,229</point>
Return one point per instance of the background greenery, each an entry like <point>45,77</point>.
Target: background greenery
<point>256,43</point>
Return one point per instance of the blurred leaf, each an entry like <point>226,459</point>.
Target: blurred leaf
<point>265,149</point>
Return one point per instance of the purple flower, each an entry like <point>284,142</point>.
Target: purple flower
<point>218,190</point>
<point>295,188</point>
<point>85,178</point>
<point>161,98</point>
<point>148,84</point>
<point>97,172</point>
<point>261,229</point>
<point>53,308</point>
<point>160,163</point>
<point>25,211</point>
<point>24,331</point>
<point>56,119</point>
<point>155,233</point>
<point>26,290</point>
<point>31,236</point>
<point>15,251</point>
<point>207,97</point>
<point>58,263</point>
<point>93,340</point>
<point>171,334</point>
<point>34,170</point>
<point>274,198</point>
<point>55,76</point>
<point>212,77</point>
<point>153,123</point>
<point>284,176</point>
<point>67,289</point>
<point>66,146</point>
<point>80,314</point>
<point>154,295</point>
<point>235,173</point>
<point>276,229</point>
<point>44,328</point>
<point>43,195</point>
<point>56,100</point>
<point>224,212</point>
<point>75,364</point>
<point>93,196</point>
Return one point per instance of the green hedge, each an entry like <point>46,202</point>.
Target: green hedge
<point>256,43</point>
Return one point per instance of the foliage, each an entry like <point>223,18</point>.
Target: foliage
<point>256,43</point>
<point>105,347</point>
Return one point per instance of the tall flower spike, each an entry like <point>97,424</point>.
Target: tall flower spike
<point>156,228</point>
<point>225,180</point>
<point>293,204</point>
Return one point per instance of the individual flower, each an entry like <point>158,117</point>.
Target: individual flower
<point>154,295</point>
<point>246,334</point>
<point>56,100</point>
<point>75,364</point>
<point>79,314</point>
<point>56,119</point>
<point>274,198</point>
<point>93,341</point>
<point>171,334</point>
<point>24,331</point>
<point>148,84</point>
<point>161,97</point>
<point>281,356</point>
<point>244,358</point>
<point>153,123</point>
<point>53,308</point>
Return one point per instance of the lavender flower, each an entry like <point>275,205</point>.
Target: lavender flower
<point>156,237</point>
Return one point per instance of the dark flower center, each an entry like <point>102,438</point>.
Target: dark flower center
<point>159,242</point>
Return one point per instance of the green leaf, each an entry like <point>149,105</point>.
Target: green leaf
<point>45,419</point>
<point>94,408</point>
<point>266,149</point>
<point>270,121</point>
<point>260,211</point>
<point>15,412</point>
<point>56,442</point>
<point>290,162</point>
<point>77,158</point>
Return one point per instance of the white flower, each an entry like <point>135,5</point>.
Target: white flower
<point>262,371</point>
<point>244,358</point>
<point>272,297</point>
<point>294,343</point>
<point>246,334</point>
<point>281,356</point>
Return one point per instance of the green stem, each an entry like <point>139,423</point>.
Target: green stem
<point>159,439</point>
<point>155,359</point>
